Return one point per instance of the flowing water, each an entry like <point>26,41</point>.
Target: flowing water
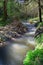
<point>14,52</point>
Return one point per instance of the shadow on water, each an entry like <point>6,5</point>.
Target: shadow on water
<point>3,55</point>
<point>12,54</point>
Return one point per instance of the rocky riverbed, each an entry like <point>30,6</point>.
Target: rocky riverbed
<point>15,49</point>
<point>14,30</point>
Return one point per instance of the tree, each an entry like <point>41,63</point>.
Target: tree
<point>39,7</point>
<point>35,57</point>
<point>39,11</point>
<point>5,9</point>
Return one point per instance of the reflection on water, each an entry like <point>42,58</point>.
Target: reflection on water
<point>14,53</point>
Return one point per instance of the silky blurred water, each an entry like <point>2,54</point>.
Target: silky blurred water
<point>14,52</point>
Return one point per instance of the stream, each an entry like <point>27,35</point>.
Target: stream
<point>14,52</point>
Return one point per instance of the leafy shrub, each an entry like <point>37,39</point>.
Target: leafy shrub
<point>34,57</point>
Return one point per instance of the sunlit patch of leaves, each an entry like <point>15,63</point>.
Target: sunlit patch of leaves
<point>34,57</point>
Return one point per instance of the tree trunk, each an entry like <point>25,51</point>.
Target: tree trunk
<point>40,18</point>
<point>5,9</point>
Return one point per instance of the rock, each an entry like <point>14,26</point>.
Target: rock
<point>14,30</point>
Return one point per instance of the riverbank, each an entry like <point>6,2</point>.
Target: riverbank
<point>14,30</point>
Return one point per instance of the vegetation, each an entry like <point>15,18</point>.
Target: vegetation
<point>13,11</point>
<point>18,10</point>
<point>34,57</point>
<point>34,20</point>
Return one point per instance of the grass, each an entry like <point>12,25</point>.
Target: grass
<point>34,20</point>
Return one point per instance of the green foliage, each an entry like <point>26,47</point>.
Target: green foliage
<point>3,23</point>
<point>12,11</point>
<point>15,9</point>
<point>39,38</point>
<point>36,19</point>
<point>41,24</point>
<point>34,57</point>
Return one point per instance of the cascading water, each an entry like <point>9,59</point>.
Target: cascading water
<point>14,53</point>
